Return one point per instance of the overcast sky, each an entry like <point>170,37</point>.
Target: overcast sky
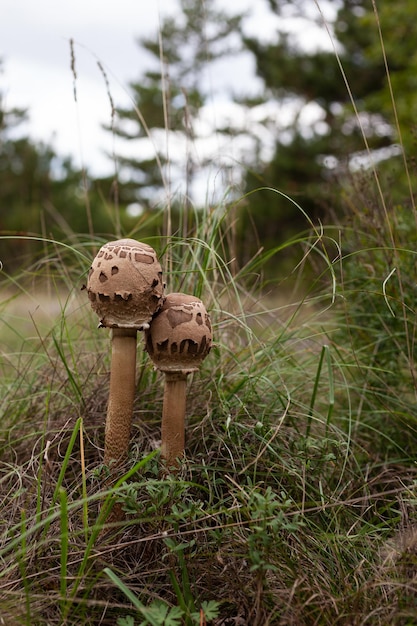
<point>35,49</point>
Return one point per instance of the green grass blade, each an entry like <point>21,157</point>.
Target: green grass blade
<point>314,392</point>
<point>74,384</point>
<point>143,610</point>
<point>139,606</point>
<point>331,386</point>
<point>22,559</point>
<point>64,466</point>
<point>83,482</point>
<point>63,502</point>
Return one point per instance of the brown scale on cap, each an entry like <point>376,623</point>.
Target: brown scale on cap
<point>179,337</point>
<point>125,285</point>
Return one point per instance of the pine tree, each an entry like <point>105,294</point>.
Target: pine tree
<point>169,98</point>
<point>312,162</point>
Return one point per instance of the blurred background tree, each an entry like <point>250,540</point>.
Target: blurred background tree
<point>168,98</point>
<point>317,154</point>
<point>318,137</point>
<point>319,149</point>
<point>28,189</point>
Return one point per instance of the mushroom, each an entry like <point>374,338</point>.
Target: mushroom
<point>177,341</point>
<point>125,289</point>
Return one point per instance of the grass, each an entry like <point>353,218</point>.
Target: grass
<point>295,504</point>
<point>296,501</point>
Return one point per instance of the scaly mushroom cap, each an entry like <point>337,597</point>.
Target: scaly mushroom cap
<point>179,336</point>
<point>125,284</point>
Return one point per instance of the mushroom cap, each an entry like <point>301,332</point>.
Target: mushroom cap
<point>124,284</point>
<point>179,337</point>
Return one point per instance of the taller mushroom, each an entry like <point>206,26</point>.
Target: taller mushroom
<point>125,289</point>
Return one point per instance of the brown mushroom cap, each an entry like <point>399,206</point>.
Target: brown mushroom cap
<point>125,284</point>
<point>179,337</point>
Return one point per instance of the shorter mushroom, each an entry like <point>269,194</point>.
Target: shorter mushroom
<point>125,289</point>
<point>177,341</point>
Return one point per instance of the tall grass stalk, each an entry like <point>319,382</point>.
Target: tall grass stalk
<point>84,483</point>
<point>63,502</point>
<point>325,356</point>
<point>22,560</point>
<point>64,467</point>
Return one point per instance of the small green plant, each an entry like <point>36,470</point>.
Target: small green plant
<point>159,613</point>
<point>267,512</point>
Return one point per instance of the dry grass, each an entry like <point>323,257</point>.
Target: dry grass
<point>276,526</point>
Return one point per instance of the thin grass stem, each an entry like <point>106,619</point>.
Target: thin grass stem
<point>63,502</point>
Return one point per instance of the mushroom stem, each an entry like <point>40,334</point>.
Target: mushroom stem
<point>177,340</point>
<point>121,396</point>
<point>173,418</point>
